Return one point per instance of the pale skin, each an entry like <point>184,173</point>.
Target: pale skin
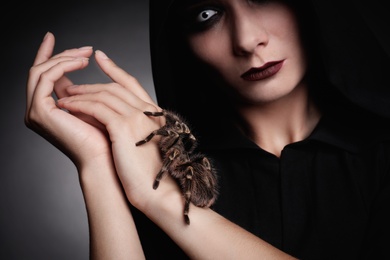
<point>106,120</point>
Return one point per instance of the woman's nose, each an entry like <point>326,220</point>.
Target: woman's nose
<point>248,33</point>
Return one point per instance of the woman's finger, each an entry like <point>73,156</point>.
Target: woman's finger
<point>121,77</point>
<point>44,88</point>
<point>109,100</point>
<point>120,118</point>
<point>44,52</point>
<point>114,89</point>
<point>45,49</point>
<point>37,70</point>
<point>60,88</point>
<point>43,63</point>
<point>104,114</point>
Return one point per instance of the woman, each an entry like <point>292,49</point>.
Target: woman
<point>298,175</point>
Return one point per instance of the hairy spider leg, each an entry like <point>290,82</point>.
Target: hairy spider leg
<point>160,131</point>
<point>152,134</point>
<point>171,117</point>
<point>188,193</point>
<point>149,113</point>
<point>172,154</point>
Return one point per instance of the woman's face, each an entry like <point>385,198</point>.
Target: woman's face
<point>254,46</point>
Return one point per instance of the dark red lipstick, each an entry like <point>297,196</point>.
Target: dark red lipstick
<point>267,70</point>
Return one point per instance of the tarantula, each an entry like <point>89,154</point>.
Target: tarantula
<point>192,170</point>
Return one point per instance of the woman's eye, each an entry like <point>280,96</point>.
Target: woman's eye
<point>199,18</point>
<point>205,15</point>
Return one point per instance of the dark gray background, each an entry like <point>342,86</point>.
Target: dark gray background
<point>42,213</point>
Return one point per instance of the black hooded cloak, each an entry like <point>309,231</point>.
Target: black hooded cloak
<point>354,46</point>
<point>326,197</point>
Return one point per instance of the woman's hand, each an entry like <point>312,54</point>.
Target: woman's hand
<point>84,140</point>
<point>119,106</point>
<point>81,140</point>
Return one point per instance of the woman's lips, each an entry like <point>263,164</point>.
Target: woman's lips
<point>267,70</point>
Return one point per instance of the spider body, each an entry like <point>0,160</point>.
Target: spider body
<point>192,170</point>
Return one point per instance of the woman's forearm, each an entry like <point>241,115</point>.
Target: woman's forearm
<point>209,235</point>
<point>113,234</point>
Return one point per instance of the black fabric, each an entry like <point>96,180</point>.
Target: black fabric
<point>326,197</point>
<point>356,49</point>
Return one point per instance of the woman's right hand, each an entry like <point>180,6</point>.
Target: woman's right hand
<point>79,137</point>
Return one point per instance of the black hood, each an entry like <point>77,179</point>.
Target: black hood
<point>353,49</point>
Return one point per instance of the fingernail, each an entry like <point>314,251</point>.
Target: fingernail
<point>47,34</point>
<point>63,109</point>
<point>81,59</point>
<point>101,54</point>
<point>63,100</point>
<point>85,48</point>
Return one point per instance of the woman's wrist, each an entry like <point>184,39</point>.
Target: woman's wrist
<point>96,170</point>
<point>112,229</point>
<point>167,200</point>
